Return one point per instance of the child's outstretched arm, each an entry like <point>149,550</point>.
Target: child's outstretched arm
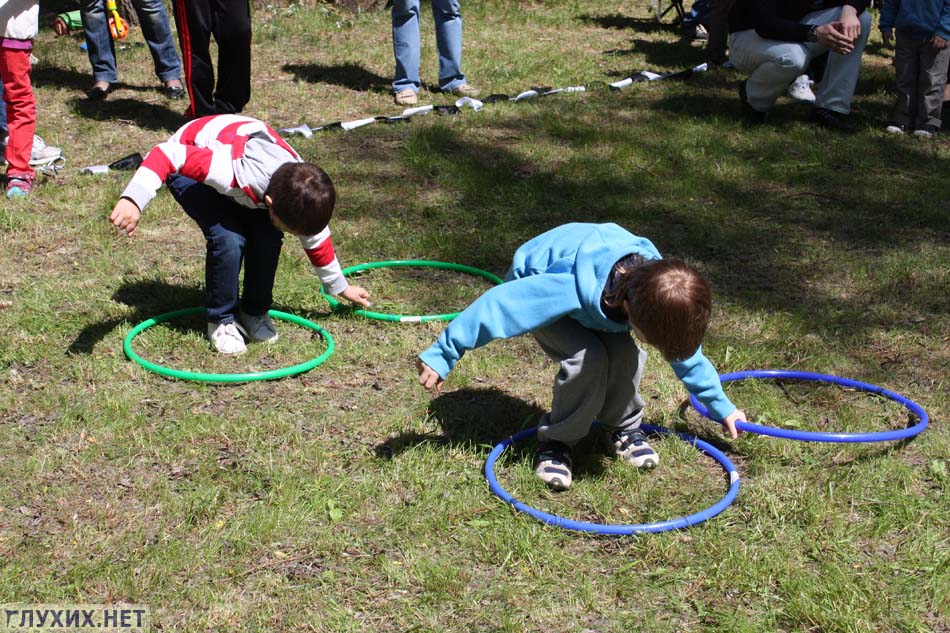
<point>729,423</point>
<point>125,216</point>
<point>428,377</point>
<point>515,307</point>
<point>357,294</point>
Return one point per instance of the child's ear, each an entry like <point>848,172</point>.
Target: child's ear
<point>268,201</point>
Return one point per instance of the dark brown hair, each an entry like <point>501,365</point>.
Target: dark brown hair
<point>302,197</point>
<point>669,301</point>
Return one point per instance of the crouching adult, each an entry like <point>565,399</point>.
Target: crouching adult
<point>774,41</point>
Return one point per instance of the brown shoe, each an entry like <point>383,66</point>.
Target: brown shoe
<point>406,97</point>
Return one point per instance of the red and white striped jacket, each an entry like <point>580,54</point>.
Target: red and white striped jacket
<point>236,156</point>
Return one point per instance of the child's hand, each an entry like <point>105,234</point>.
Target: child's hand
<point>357,295</point>
<point>938,42</point>
<point>886,35</point>
<point>729,424</point>
<point>428,377</point>
<point>125,216</point>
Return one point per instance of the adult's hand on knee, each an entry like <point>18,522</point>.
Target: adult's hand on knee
<point>850,24</point>
<point>832,37</point>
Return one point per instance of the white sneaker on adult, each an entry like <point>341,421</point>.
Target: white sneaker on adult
<point>43,153</point>
<point>258,328</point>
<point>226,338</point>
<point>800,90</point>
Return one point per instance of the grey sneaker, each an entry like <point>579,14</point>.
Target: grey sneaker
<point>552,464</point>
<point>258,328</point>
<point>226,338</point>
<point>631,445</point>
<point>464,90</point>
<point>43,153</point>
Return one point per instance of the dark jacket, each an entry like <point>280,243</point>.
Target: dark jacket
<point>781,19</point>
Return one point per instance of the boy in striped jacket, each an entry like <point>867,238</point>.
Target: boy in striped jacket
<point>245,187</point>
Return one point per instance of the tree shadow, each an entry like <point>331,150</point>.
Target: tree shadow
<point>149,298</point>
<point>349,75</point>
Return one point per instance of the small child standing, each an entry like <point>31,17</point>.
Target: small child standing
<point>20,19</point>
<point>244,186</point>
<point>920,62</point>
<point>579,289</point>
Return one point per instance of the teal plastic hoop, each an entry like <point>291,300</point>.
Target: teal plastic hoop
<point>272,374</point>
<point>412,263</point>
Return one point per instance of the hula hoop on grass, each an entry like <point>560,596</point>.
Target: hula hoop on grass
<point>412,263</point>
<point>818,436</point>
<point>617,529</point>
<point>247,377</point>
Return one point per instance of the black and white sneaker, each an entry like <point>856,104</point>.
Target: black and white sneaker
<point>831,120</point>
<point>552,465</point>
<point>631,446</point>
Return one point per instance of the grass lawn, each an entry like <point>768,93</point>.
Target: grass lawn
<point>347,498</point>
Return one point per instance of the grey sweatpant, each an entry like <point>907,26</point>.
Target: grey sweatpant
<point>599,378</point>
<point>921,73</point>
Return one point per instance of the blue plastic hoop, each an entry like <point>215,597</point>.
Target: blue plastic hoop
<point>818,436</point>
<point>617,529</point>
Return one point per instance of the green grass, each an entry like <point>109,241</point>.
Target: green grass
<point>347,499</point>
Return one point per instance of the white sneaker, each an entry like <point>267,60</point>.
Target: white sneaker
<point>226,338</point>
<point>800,90</point>
<point>258,328</point>
<point>43,153</point>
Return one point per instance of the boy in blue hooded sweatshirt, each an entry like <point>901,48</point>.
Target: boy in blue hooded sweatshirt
<point>921,57</point>
<point>579,289</point>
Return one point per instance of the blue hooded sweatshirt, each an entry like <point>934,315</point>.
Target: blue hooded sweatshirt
<point>922,19</point>
<point>562,273</point>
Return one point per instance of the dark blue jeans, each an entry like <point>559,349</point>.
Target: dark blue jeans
<point>233,234</point>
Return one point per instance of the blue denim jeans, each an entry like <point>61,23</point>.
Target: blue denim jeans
<point>156,29</point>
<point>232,234</point>
<point>448,38</point>
<point>772,65</point>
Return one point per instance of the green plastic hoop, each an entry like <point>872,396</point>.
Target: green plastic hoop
<point>272,374</point>
<point>414,263</point>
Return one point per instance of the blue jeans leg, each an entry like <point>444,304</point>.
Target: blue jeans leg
<point>448,37</point>
<point>232,234</point>
<point>99,46</point>
<point>157,31</point>
<point>405,18</point>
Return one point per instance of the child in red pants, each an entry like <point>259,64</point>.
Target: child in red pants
<point>21,22</point>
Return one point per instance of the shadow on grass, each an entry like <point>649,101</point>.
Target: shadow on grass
<point>509,197</point>
<point>485,417</point>
<point>149,298</point>
<point>148,116</point>
<point>624,22</point>
<point>349,75</point>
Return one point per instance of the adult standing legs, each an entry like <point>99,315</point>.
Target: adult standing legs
<point>229,21</point>
<point>99,46</point>
<point>405,19</point>
<point>448,37</point>
<point>153,18</point>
